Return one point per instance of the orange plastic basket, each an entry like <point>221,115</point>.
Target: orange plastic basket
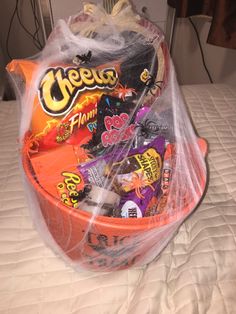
<point>110,243</point>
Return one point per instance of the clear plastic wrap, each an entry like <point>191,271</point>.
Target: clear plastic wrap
<point>111,161</point>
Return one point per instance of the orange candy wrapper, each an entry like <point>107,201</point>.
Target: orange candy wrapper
<point>65,102</point>
<point>65,181</point>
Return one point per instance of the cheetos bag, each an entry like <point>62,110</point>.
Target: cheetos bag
<point>111,162</point>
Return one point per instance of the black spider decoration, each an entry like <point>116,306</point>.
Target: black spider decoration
<point>148,128</point>
<point>94,147</point>
<point>82,194</point>
<point>151,85</point>
<point>83,59</point>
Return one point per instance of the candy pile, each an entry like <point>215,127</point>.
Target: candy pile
<point>99,137</point>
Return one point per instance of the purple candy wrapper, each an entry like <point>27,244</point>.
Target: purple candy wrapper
<point>134,176</point>
<point>150,124</point>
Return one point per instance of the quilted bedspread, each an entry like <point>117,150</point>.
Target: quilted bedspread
<point>196,272</point>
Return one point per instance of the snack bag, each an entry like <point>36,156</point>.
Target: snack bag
<point>111,162</point>
<point>65,102</point>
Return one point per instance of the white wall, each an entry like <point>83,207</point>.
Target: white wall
<point>20,43</point>
<point>156,9</point>
<point>221,62</point>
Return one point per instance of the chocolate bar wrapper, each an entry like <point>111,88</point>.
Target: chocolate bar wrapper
<point>134,176</point>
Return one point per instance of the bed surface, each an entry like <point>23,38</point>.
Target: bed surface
<point>196,273</point>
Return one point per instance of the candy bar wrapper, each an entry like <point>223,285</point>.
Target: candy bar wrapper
<point>157,205</point>
<point>135,177</point>
<point>65,181</point>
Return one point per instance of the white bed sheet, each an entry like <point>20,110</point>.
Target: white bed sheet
<point>196,273</point>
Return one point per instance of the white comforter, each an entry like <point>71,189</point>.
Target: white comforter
<point>196,273</point>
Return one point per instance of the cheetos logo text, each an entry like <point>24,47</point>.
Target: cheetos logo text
<point>59,87</point>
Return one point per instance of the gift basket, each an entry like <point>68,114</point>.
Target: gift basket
<point>111,161</point>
